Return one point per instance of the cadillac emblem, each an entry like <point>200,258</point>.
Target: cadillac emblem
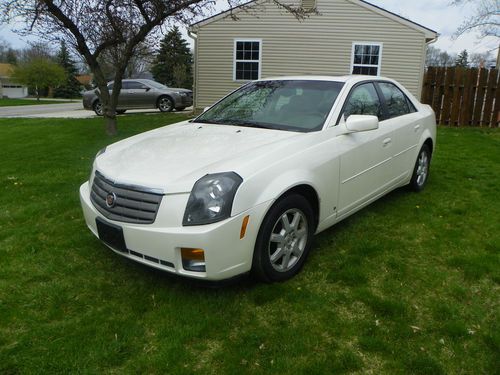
<point>111,200</point>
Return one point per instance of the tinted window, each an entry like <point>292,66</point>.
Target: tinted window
<point>133,85</point>
<point>363,101</point>
<point>395,100</point>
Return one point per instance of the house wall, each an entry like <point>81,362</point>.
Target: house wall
<point>319,45</point>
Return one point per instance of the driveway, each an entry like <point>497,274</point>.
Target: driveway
<point>65,110</point>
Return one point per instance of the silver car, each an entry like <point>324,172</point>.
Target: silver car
<point>142,94</point>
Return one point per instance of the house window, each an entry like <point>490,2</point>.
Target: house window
<point>247,59</point>
<point>366,58</point>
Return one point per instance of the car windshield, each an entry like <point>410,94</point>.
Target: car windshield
<point>157,85</point>
<point>294,105</point>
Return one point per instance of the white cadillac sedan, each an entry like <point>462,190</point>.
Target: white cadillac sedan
<point>245,186</point>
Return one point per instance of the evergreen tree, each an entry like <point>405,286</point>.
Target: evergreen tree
<point>71,87</point>
<point>462,59</point>
<point>172,65</point>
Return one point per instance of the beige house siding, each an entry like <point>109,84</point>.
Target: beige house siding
<point>319,45</point>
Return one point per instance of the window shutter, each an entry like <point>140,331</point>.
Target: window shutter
<point>308,4</point>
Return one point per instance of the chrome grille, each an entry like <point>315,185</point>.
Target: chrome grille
<point>133,204</point>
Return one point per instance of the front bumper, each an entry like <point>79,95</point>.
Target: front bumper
<point>183,101</point>
<point>226,255</point>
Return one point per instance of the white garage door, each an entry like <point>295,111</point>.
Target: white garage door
<point>15,92</point>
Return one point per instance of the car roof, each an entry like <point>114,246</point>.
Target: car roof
<point>143,80</point>
<point>346,78</point>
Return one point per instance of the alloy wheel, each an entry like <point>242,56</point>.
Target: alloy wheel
<point>288,240</point>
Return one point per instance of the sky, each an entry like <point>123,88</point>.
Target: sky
<point>437,15</point>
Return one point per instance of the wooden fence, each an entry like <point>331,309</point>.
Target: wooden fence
<point>463,96</point>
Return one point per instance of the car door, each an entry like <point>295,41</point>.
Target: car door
<point>404,120</point>
<point>137,94</point>
<point>365,164</point>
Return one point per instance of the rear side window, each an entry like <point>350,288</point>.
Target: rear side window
<point>396,102</point>
<point>134,85</point>
<point>363,101</point>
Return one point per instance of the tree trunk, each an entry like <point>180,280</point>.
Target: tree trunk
<point>111,128</point>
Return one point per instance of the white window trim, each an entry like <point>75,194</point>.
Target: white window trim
<point>234,57</point>
<point>379,66</point>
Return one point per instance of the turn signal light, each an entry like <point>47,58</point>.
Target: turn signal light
<point>244,225</point>
<point>193,259</point>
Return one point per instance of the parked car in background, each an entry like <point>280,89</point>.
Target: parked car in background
<point>142,94</point>
<point>245,185</point>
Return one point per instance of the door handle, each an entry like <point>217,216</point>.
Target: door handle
<point>417,127</point>
<point>386,141</point>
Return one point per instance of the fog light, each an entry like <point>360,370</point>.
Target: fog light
<point>193,259</point>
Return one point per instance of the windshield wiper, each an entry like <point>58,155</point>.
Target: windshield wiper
<point>250,124</point>
<point>217,122</point>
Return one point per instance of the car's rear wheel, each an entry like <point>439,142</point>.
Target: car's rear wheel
<point>165,104</point>
<point>180,108</point>
<point>421,169</point>
<point>98,108</point>
<point>284,239</point>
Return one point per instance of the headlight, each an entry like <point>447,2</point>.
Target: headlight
<point>181,93</point>
<point>211,199</point>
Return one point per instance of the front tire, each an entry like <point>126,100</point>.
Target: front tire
<point>284,239</point>
<point>421,169</point>
<point>165,104</point>
<point>98,108</point>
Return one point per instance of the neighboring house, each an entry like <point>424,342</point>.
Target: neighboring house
<point>343,37</point>
<point>8,88</point>
<point>84,80</point>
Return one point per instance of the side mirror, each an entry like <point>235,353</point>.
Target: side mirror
<point>147,89</point>
<point>361,123</point>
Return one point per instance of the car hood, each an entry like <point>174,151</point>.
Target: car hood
<point>174,157</point>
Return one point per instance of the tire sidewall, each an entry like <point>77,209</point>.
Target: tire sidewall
<point>262,266</point>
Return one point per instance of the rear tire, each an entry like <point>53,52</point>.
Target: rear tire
<point>165,104</point>
<point>98,108</point>
<point>421,170</point>
<point>284,239</point>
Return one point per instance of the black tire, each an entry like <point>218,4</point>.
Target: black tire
<point>165,104</point>
<point>121,111</point>
<point>180,108</point>
<point>98,108</point>
<point>421,170</point>
<point>283,268</point>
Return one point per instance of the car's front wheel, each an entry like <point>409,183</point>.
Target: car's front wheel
<point>98,108</point>
<point>165,104</point>
<point>284,239</point>
<point>421,169</point>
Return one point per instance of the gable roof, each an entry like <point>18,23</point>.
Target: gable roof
<point>429,33</point>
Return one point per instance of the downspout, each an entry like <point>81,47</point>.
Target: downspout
<point>194,36</point>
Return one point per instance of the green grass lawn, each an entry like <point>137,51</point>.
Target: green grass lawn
<point>7,102</point>
<point>408,285</point>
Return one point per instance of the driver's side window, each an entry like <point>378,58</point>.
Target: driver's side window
<point>363,101</point>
